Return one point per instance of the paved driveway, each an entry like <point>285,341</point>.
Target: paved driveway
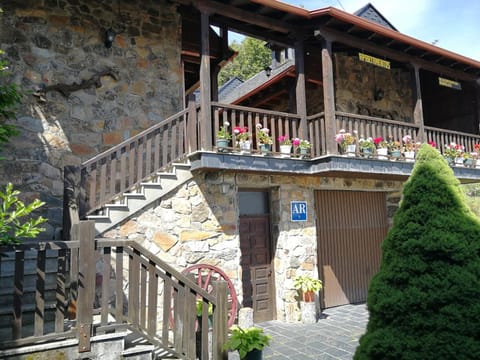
<point>334,336</point>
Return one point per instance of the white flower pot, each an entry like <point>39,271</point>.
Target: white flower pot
<point>409,156</point>
<point>245,146</point>
<point>351,149</point>
<point>285,150</point>
<point>382,153</point>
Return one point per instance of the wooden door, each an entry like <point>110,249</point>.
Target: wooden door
<point>255,261</point>
<point>351,229</point>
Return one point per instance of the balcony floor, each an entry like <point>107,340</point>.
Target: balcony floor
<point>328,165</point>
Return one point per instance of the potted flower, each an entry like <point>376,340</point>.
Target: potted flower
<point>302,146</point>
<point>453,153</point>
<point>476,151</point>
<point>248,342</point>
<point>264,140</point>
<point>394,148</point>
<point>409,148</point>
<point>381,145</point>
<point>308,286</point>
<point>223,136</point>
<point>467,159</point>
<point>285,144</point>
<point>367,147</point>
<point>242,138</point>
<point>347,142</point>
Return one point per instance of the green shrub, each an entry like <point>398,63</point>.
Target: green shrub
<point>424,302</point>
<point>15,220</point>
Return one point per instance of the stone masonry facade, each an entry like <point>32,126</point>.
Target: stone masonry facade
<point>60,43</point>
<point>199,223</point>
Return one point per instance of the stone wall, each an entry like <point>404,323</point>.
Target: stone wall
<point>356,82</point>
<point>52,43</point>
<point>199,224</point>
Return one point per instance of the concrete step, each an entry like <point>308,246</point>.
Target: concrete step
<point>131,203</point>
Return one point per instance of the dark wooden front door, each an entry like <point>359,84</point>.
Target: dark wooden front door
<point>256,268</point>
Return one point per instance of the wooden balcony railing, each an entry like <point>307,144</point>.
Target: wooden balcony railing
<point>124,166</point>
<point>278,123</point>
<point>367,126</point>
<point>113,285</point>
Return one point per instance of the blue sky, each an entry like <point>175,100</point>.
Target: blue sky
<point>453,24</point>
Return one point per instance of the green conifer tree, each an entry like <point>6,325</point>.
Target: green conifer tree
<point>424,302</point>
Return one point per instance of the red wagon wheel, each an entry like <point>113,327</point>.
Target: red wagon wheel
<point>205,275</point>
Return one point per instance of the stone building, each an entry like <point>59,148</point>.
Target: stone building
<point>235,211</point>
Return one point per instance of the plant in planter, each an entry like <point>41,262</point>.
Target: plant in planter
<point>308,287</point>
<point>248,342</point>
<point>223,136</point>
<point>242,137</point>
<point>367,147</point>
<point>264,140</point>
<point>347,141</point>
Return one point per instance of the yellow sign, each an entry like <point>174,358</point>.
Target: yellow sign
<point>449,83</point>
<point>374,61</point>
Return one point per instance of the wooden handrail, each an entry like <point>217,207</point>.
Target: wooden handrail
<point>148,276</point>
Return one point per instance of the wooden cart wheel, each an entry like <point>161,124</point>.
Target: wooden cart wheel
<point>205,275</point>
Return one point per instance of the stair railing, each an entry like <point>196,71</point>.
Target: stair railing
<point>120,285</point>
<point>124,166</point>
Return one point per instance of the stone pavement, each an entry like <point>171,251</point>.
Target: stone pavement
<point>334,336</point>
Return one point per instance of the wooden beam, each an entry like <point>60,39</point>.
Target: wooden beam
<point>337,36</point>
<point>300,96</point>
<point>418,108</point>
<point>329,97</point>
<point>205,87</point>
<point>236,13</point>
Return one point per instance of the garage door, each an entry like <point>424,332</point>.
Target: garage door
<point>351,228</point>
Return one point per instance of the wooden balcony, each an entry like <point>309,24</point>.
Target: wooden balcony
<point>184,135</point>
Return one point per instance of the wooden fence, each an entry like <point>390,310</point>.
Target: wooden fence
<point>87,286</point>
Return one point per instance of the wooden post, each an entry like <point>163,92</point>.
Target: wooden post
<point>205,86</point>
<point>71,192</point>
<point>220,318</point>
<point>300,95</point>
<point>191,136</point>
<point>329,97</point>
<point>85,233</point>
<point>418,108</point>
<point>477,114</point>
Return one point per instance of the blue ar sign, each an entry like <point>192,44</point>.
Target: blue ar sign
<point>298,210</point>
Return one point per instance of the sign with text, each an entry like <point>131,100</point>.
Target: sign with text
<point>374,61</point>
<point>449,83</point>
<point>298,210</point>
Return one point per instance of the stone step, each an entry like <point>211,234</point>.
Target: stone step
<point>148,192</point>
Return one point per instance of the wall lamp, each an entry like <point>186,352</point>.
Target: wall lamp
<point>268,71</point>
<point>378,95</point>
<point>109,37</point>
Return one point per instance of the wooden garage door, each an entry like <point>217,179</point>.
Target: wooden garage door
<point>351,228</point>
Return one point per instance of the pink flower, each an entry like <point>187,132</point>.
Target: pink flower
<point>377,140</point>
<point>296,141</point>
<point>432,144</point>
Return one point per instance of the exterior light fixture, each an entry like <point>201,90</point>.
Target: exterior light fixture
<point>378,95</point>
<point>109,37</point>
<point>268,71</point>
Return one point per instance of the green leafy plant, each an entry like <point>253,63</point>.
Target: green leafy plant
<point>263,136</point>
<point>10,97</point>
<point>246,340</point>
<point>366,144</point>
<point>423,301</point>
<point>306,283</point>
<point>15,222</point>
<point>199,306</point>
<point>223,132</point>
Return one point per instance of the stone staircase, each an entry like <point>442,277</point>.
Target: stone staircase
<point>149,191</point>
